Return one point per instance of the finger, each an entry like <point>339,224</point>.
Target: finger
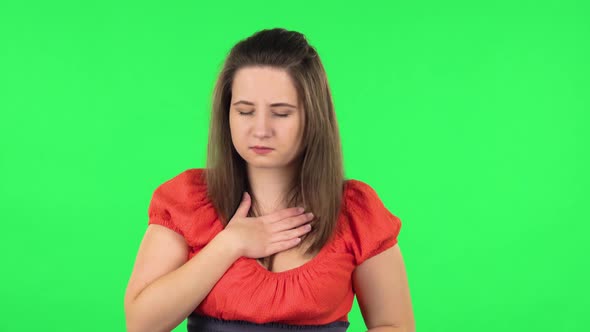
<point>283,245</point>
<point>244,206</point>
<point>283,214</point>
<point>292,222</point>
<point>293,233</point>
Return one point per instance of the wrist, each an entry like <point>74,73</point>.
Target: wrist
<point>229,242</point>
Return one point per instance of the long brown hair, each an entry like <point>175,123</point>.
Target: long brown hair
<point>318,185</point>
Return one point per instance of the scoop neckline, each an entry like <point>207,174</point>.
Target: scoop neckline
<point>306,266</point>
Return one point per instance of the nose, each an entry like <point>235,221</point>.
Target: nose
<point>262,125</point>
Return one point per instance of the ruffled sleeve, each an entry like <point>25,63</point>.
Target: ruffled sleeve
<point>174,202</point>
<point>373,228</point>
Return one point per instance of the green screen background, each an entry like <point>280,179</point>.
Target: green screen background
<point>470,120</point>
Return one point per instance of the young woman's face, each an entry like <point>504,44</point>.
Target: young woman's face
<point>264,112</point>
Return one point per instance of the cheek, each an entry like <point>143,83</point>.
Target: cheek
<point>234,130</point>
<point>294,129</point>
<point>234,125</point>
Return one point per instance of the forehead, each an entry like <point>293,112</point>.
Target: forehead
<point>263,84</point>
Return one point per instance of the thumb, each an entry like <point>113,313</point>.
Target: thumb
<point>244,206</point>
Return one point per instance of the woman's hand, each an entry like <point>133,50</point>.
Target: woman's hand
<point>263,236</point>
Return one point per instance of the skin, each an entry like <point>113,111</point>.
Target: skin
<point>383,293</point>
<point>255,121</point>
<point>380,282</point>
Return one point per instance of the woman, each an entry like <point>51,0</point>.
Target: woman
<point>269,237</point>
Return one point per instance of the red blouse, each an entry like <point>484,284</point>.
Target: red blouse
<point>316,293</point>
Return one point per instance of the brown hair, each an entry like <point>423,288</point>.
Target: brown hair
<point>319,183</point>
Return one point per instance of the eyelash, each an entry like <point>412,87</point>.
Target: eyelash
<point>279,115</point>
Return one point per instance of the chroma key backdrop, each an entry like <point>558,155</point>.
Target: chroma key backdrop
<point>468,118</point>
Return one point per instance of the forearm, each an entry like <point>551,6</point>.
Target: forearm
<point>167,301</point>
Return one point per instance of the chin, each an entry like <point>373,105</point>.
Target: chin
<point>263,164</point>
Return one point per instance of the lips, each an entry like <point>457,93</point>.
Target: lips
<point>261,150</point>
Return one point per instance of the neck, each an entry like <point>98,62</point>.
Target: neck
<point>270,187</point>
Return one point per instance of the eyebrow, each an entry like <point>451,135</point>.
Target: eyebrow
<point>272,105</point>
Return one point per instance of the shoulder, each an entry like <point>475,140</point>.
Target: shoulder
<point>186,186</point>
<point>176,201</point>
<point>185,182</point>
<point>355,186</point>
<point>371,227</point>
<point>359,194</point>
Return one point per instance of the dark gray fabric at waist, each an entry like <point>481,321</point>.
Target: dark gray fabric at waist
<point>198,323</point>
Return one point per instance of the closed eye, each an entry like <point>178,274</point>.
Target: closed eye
<point>250,113</point>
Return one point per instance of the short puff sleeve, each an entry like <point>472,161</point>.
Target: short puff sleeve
<point>173,202</point>
<point>373,228</point>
